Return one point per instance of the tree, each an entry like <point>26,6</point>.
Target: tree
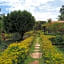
<point>55,28</point>
<point>19,21</point>
<point>61,16</point>
<point>38,25</point>
<point>44,29</point>
<point>1,27</point>
<point>49,20</point>
<point>41,22</point>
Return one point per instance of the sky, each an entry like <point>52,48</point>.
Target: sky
<point>40,9</point>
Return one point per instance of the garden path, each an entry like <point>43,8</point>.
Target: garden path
<point>36,54</point>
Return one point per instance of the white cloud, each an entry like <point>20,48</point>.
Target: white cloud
<point>20,4</point>
<point>45,16</point>
<point>62,0</point>
<point>30,5</point>
<point>36,3</point>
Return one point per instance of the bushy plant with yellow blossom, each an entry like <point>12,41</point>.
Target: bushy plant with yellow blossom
<point>16,53</point>
<point>50,54</point>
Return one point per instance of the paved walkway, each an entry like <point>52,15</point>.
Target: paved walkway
<point>36,54</point>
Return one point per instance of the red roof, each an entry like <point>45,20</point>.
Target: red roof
<point>61,21</point>
<point>57,21</point>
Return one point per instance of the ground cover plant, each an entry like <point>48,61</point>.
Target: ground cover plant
<point>50,53</point>
<point>16,53</point>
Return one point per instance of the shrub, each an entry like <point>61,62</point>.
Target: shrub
<point>58,40</point>
<point>16,53</point>
<point>50,53</point>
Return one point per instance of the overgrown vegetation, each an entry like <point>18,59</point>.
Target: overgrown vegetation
<point>16,53</point>
<point>18,22</point>
<point>55,28</point>
<point>61,16</point>
<point>51,54</point>
<point>17,33</point>
<point>58,41</point>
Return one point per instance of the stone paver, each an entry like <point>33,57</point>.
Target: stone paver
<point>36,54</point>
<point>37,47</point>
<point>37,44</point>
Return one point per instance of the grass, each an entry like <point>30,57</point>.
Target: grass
<point>29,58</point>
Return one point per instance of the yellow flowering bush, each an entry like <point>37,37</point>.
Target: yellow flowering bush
<point>30,32</point>
<point>50,54</point>
<point>16,52</point>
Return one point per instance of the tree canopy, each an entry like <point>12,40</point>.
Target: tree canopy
<point>19,21</point>
<point>61,16</point>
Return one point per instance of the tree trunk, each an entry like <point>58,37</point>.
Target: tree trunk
<point>21,34</point>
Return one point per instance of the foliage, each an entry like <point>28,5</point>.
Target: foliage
<point>19,21</point>
<point>28,34</point>
<point>38,25</point>
<point>50,53</point>
<point>49,20</point>
<point>12,36</point>
<point>61,16</point>
<point>41,22</point>
<point>55,27</point>
<point>1,27</point>
<point>58,40</point>
<point>16,53</point>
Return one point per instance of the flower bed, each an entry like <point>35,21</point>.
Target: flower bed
<point>50,54</point>
<point>16,53</point>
